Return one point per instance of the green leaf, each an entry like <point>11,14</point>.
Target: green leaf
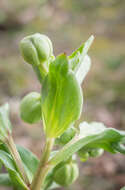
<point>123,188</point>
<point>9,164</point>
<point>94,135</point>
<point>79,61</point>
<point>61,98</point>
<point>48,180</point>
<point>5,180</point>
<point>49,183</point>
<point>53,186</point>
<point>83,69</point>
<point>30,161</point>
<point>4,148</point>
<point>112,145</point>
<point>5,125</point>
<point>1,166</point>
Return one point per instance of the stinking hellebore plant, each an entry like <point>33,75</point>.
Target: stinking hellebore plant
<point>58,106</point>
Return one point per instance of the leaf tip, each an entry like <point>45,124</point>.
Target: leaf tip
<point>91,39</point>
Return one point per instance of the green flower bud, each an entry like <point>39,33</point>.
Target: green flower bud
<point>66,173</point>
<point>84,156</point>
<point>96,152</point>
<point>30,108</point>
<point>36,48</point>
<point>66,136</point>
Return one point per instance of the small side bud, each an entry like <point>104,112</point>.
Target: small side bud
<point>84,156</point>
<point>66,173</point>
<point>30,108</point>
<point>96,152</point>
<point>66,136</point>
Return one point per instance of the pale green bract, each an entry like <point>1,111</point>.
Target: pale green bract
<point>61,98</point>
<point>79,61</point>
<point>90,128</point>
<point>83,69</point>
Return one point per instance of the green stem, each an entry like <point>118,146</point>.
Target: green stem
<point>13,150</point>
<point>43,166</point>
<point>40,71</point>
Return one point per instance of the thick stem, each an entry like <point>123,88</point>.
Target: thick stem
<point>13,150</point>
<point>43,166</point>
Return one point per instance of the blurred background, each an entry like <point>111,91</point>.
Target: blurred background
<point>68,23</point>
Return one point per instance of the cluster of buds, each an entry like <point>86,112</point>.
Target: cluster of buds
<point>85,154</point>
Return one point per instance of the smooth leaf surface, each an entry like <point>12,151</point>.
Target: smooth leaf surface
<point>123,188</point>
<point>79,61</point>
<point>61,98</point>
<point>49,183</point>
<point>91,135</point>
<point>83,69</point>
<point>30,161</point>
<point>5,125</point>
<point>5,180</point>
<point>113,145</point>
<point>9,164</point>
<point>53,186</point>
